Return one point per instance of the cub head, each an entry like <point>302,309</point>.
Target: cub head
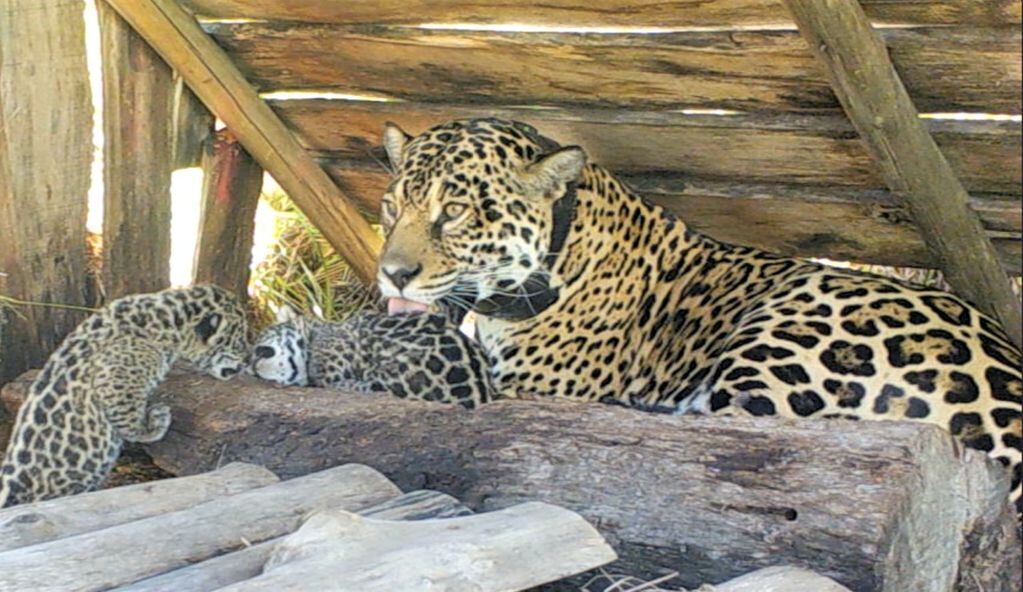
<point>280,353</point>
<point>217,339</point>
<point>469,213</point>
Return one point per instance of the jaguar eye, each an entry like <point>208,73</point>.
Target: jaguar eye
<point>454,210</point>
<point>390,210</point>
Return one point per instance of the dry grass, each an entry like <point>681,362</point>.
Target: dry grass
<point>304,272</point>
<point>609,582</point>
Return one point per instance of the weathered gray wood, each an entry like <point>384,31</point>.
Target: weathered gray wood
<point>744,70</point>
<point>138,159</point>
<point>45,158</point>
<point>609,13</point>
<point>232,182</point>
<point>778,579</point>
<point>878,104</point>
<point>512,549</point>
<point>121,554</point>
<point>31,524</point>
<point>712,498</point>
<point>746,148</point>
<point>844,224</point>
<point>230,568</point>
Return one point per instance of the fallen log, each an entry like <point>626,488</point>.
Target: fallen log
<point>873,505</point>
<point>778,579</point>
<point>118,555</point>
<point>231,568</point>
<point>49,520</point>
<point>512,549</point>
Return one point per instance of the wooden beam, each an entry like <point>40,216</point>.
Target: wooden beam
<point>218,83</point>
<point>231,185</point>
<point>874,98</point>
<point>607,13</point>
<point>138,159</point>
<point>45,157</point>
<point>193,126</point>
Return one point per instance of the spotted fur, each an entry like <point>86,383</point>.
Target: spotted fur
<point>415,356</point>
<point>93,393</point>
<point>650,314</point>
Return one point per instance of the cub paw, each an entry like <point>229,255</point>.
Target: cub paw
<point>158,419</point>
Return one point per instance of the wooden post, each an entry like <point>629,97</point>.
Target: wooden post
<point>230,192</point>
<point>45,158</point>
<point>138,158</point>
<point>193,126</point>
<point>217,81</point>
<point>873,96</point>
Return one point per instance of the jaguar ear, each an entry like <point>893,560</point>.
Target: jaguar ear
<point>395,139</point>
<point>208,326</point>
<point>549,175</point>
<point>285,313</point>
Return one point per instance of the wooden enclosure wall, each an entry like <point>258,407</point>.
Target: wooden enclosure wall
<point>45,157</point>
<point>715,109</point>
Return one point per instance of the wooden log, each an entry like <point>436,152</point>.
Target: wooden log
<point>31,524</point>
<point>512,549</point>
<point>876,101</point>
<point>138,159</point>
<point>121,554</point>
<point>232,182</point>
<point>744,70</point>
<point>610,13</point>
<point>712,498</point>
<point>213,77</point>
<point>844,224</point>
<point>247,563</point>
<point>751,148</point>
<point>193,126</point>
<point>778,579</point>
<point>45,157</point>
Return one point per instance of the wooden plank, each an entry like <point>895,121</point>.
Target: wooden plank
<point>231,186</point>
<point>865,226</point>
<point>878,105</point>
<point>214,574</point>
<point>138,158</point>
<point>129,552</point>
<point>30,524</point>
<point>773,148</point>
<point>193,126</point>
<point>745,70</point>
<point>609,13</point>
<point>215,80</point>
<point>45,158</point>
<point>517,548</point>
<point>710,497</point>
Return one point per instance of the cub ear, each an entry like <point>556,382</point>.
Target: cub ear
<point>551,173</point>
<point>285,313</point>
<point>208,326</point>
<point>395,139</point>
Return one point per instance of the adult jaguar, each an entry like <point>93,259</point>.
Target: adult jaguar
<point>586,291</point>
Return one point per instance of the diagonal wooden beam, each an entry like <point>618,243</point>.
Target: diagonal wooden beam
<point>874,98</point>
<point>204,66</point>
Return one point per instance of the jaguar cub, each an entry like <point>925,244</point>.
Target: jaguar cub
<point>409,355</point>
<point>93,393</point>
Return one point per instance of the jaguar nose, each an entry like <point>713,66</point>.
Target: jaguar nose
<point>263,352</point>
<point>400,275</point>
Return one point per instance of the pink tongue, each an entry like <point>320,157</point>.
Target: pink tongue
<point>396,305</point>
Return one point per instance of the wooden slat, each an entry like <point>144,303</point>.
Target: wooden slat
<point>607,13</point>
<point>949,69</point>
<point>193,126</point>
<point>45,156</point>
<point>865,226</point>
<point>138,158</point>
<point>779,148</point>
<point>231,185</point>
<point>215,80</point>
<point>877,103</point>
